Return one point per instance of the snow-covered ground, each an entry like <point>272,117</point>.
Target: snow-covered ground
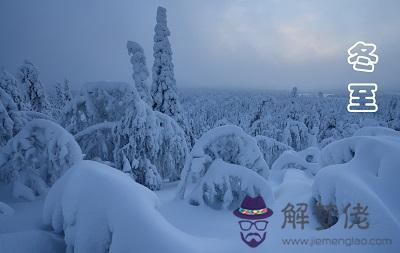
<point>213,230</point>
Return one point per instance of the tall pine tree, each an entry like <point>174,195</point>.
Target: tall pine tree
<point>163,90</point>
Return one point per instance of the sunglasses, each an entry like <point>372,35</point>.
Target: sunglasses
<point>260,225</point>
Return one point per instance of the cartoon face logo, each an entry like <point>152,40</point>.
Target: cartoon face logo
<point>253,224</point>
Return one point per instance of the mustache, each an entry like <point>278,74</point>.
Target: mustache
<point>253,234</point>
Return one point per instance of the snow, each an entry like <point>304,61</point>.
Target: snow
<point>376,131</point>
<point>6,209</point>
<point>100,209</point>
<point>367,168</point>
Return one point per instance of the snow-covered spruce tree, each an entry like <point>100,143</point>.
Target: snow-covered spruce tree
<point>296,135</point>
<point>34,93</point>
<point>60,99</point>
<point>37,156</point>
<point>12,120</point>
<point>393,117</point>
<point>264,121</point>
<point>294,93</point>
<point>6,123</point>
<point>150,144</point>
<point>163,89</point>
<point>9,84</point>
<point>140,71</point>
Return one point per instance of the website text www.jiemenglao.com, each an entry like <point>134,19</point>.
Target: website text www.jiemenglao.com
<point>344,241</point>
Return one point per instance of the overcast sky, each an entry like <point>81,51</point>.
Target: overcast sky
<point>272,44</point>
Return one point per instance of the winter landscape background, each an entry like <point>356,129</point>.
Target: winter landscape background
<point>147,165</point>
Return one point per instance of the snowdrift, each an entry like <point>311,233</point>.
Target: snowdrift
<point>100,209</point>
<point>362,169</point>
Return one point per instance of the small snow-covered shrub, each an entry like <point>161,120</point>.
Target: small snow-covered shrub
<point>228,143</point>
<point>361,169</point>
<point>225,185</point>
<point>100,209</point>
<point>306,160</point>
<point>271,148</point>
<point>38,155</point>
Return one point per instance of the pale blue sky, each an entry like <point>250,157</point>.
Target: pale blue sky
<point>272,44</point>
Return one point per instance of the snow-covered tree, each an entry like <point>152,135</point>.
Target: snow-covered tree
<point>296,135</point>
<point>163,89</point>
<point>266,119</point>
<point>9,84</point>
<point>394,113</point>
<point>96,103</point>
<point>6,123</point>
<point>294,93</point>
<point>37,156</point>
<point>60,99</point>
<point>271,148</point>
<point>140,71</point>
<point>225,185</point>
<point>34,92</point>
<point>150,143</point>
<point>229,144</point>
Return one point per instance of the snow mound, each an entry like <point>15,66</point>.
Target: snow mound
<point>37,156</point>
<point>31,241</point>
<point>101,209</point>
<point>225,185</point>
<point>361,169</point>
<point>376,131</point>
<point>307,160</point>
<point>296,187</point>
